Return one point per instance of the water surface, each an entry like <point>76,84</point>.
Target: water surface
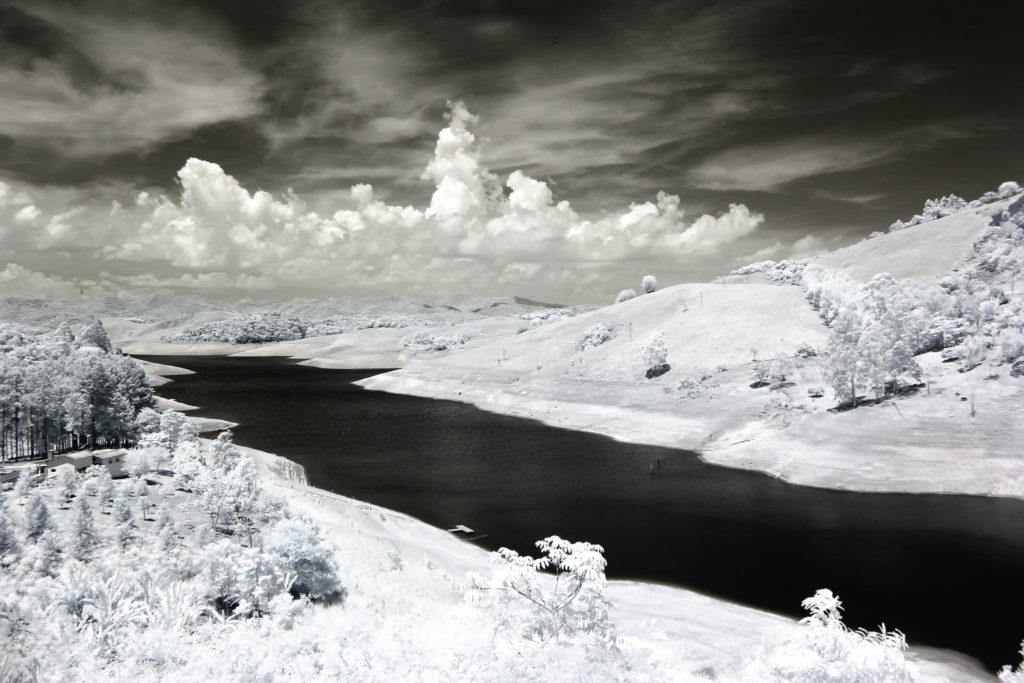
<point>947,570</point>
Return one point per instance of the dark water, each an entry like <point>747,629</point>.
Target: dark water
<point>947,570</point>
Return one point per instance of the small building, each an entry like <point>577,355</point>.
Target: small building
<point>79,461</point>
<point>8,476</point>
<point>112,459</point>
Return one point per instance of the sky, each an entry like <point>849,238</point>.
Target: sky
<point>559,151</point>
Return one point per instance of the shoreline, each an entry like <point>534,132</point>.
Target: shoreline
<point>712,628</point>
<point>804,458</point>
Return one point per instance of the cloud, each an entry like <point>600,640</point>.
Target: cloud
<point>474,226</point>
<point>18,281</point>
<point>147,80</point>
<point>769,166</point>
<point>766,167</point>
<point>807,246</point>
<point>27,214</point>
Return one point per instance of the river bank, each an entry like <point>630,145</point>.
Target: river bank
<point>684,630</point>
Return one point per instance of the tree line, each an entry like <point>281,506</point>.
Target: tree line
<point>59,392</point>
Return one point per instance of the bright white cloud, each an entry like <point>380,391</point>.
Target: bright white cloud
<point>27,214</point>
<point>471,235</point>
<point>18,281</point>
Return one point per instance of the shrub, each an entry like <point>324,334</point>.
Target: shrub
<point>296,547</point>
<point>543,607</point>
<point>655,357</point>
<point>649,284</point>
<point>826,650</point>
<point>625,295</point>
<point>594,337</point>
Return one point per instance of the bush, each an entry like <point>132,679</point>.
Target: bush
<point>827,650</point>
<point>570,604</point>
<point>655,357</point>
<point>625,295</point>
<point>649,284</point>
<point>594,337</point>
<point>805,351</point>
<point>296,547</point>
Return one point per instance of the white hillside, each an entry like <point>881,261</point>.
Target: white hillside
<point>712,333</point>
<point>753,369</point>
<point>924,252</point>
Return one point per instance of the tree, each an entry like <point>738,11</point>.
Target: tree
<point>8,538</point>
<point>826,650</point>
<point>649,284</point>
<point>104,488</point>
<point>94,334</point>
<point>625,295</point>
<point>67,485</point>
<point>296,547</point>
<point>64,335</point>
<point>84,540</point>
<point>844,359</point>
<point>165,528</point>
<point>49,554</point>
<point>140,488</point>
<point>655,357</point>
<point>23,484</point>
<point>37,518</point>
<point>124,523</point>
<point>571,603</point>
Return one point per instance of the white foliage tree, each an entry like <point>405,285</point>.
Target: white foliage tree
<point>568,602</point>
<point>49,555</point>
<point>8,536</point>
<point>84,539</point>
<point>166,528</point>
<point>23,484</point>
<point>296,547</point>
<point>1010,674</point>
<point>124,522</point>
<point>625,295</point>
<point>649,284</point>
<point>594,337</point>
<point>654,355</point>
<point>37,518</point>
<point>104,488</point>
<point>67,485</point>
<point>826,651</point>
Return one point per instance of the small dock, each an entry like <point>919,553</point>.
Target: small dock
<point>463,532</point>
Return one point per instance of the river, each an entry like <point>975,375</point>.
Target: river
<point>945,569</point>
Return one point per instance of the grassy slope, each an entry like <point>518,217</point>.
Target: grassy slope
<point>931,443</point>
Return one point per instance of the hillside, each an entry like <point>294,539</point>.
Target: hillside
<point>958,431</point>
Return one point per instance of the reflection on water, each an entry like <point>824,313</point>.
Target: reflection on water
<point>926,564</point>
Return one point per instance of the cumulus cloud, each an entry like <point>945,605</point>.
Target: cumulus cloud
<point>27,214</point>
<point>18,281</point>
<point>476,232</point>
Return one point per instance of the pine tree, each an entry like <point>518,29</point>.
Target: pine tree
<point>165,525</point>
<point>49,555</point>
<point>104,488</point>
<point>124,522</point>
<point>84,539</point>
<point>95,335</point>
<point>8,538</point>
<point>67,485</point>
<point>23,484</point>
<point>37,518</point>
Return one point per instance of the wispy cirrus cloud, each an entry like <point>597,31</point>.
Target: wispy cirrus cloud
<point>110,81</point>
